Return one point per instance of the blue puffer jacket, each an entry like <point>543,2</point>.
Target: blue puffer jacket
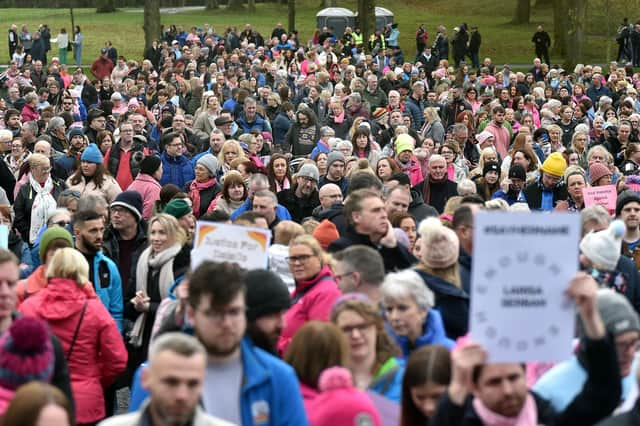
<point>270,390</point>
<point>432,334</point>
<point>108,286</point>
<point>258,123</point>
<point>281,211</point>
<point>176,170</point>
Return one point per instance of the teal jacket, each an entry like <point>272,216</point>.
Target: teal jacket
<point>108,286</point>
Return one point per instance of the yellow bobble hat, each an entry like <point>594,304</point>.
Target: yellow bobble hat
<point>554,165</point>
<point>404,142</point>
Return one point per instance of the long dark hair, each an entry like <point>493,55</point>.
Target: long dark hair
<point>271,174</point>
<point>429,364</point>
<point>99,177</point>
<point>361,131</point>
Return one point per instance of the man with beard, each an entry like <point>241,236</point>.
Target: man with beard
<point>482,392</point>
<point>268,388</point>
<point>436,188</point>
<point>303,197</point>
<point>302,136</point>
<point>88,229</point>
<point>267,301</point>
<point>514,184</point>
<point>175,378</point>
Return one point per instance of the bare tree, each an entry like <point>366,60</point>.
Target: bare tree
<point>211,4</point>
<point>151,21</point>
<point>291,9</point>
<point>367,18</point>
<point>523,12</point>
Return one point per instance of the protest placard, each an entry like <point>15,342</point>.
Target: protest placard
<point>220,242</point>
<point>522,265</point>
<point>604,196</point>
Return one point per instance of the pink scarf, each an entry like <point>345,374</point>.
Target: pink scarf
<point>285,184</point>
<point>528,415</point>
<point>194,193</point>
<point>338,119</point>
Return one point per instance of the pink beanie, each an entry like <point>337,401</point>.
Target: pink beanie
<point>440,245</point>
<point>339,403</point>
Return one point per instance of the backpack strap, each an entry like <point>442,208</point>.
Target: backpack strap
<point>75,333</point>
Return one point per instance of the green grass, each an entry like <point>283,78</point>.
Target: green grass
<point>502,41</point>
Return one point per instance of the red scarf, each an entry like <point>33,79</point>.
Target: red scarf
<point>194,193</point>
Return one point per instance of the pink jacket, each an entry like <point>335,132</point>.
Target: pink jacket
<point>413,170</point>
<point>99,354</point>
<point>318,296</point>
<point>29,114</point>
<point>149,190</point>
<point>502,138</point>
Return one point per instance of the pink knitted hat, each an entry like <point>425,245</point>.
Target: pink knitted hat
<point>339,403</point>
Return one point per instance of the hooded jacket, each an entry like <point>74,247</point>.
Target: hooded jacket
<point>98,355</point>
<point>452,302</point>
<point>432,334</point>
<point>313,300</point>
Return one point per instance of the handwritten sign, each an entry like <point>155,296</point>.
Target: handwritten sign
<point>522,264</point>
<point>218,242</point>
<point>604,196</point>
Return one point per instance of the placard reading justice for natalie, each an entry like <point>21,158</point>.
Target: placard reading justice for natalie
<point>522,265</point>
<point>221,242</point>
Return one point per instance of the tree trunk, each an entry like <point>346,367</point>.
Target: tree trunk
<point>523,12</point>
<point>235,5</point>
<point>560,27</point>
<point>575,41</point>
<point>211,4</point>
<point>291,9</point>
<point>151,21</point>
<point>366,19</point>
<point>252,5</point>
<point>105,6</point>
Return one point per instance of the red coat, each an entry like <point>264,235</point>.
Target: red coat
<point>29,113</point>
<point>102,68</point>
<point>315,304</point>
<point>99,354</point>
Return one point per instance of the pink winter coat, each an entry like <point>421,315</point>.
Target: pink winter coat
<point>99,354</point>
<point>149,190</point>
<point>319,295</point>
<point>501,138</point>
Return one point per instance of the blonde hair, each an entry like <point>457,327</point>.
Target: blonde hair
<point>171,226</point>
<point>286,231</point>
<point>69,263</point>
<point>314,245</point>
<point>38,160</point>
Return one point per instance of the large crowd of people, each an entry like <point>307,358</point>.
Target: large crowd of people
<point>367,165</point>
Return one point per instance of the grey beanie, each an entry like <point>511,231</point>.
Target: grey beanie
<point>617,313</point>
<point>211,163</point>
<point>334,156</point>
<point>309,171</point>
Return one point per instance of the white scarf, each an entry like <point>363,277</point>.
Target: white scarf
<point>164,261</point>
<point>43,205</point>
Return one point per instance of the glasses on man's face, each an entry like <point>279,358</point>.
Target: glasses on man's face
<point>67,103</point>
<point>303,258</point>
